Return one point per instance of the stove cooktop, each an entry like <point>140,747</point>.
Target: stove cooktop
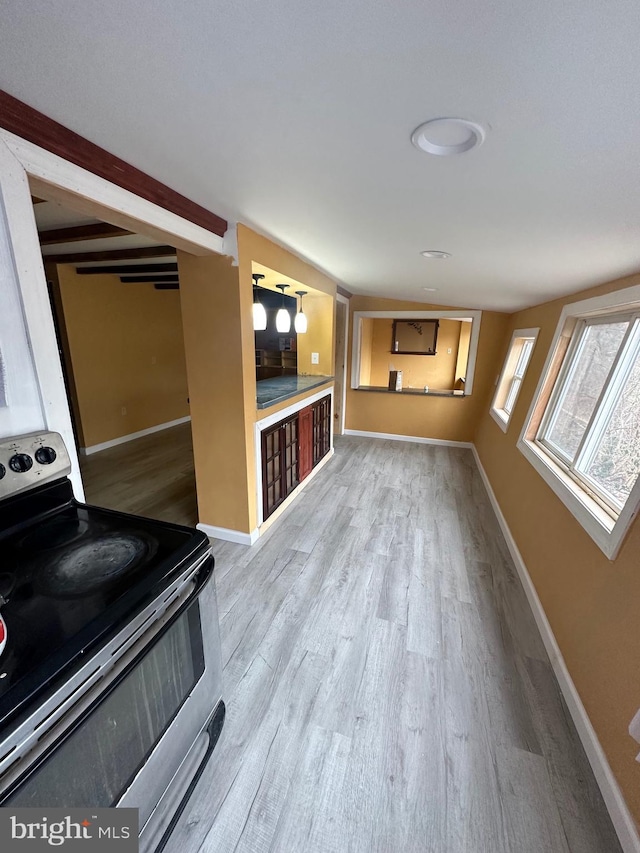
<point>70,576</point>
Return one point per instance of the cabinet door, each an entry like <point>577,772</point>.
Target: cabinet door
<point>305,442</point>
<point>289,441</point>
<point>321,428</point>
<point>272,492</point>
<point>279,463</point>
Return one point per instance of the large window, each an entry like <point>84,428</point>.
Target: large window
<point>510,380</point>
<point>583,432</point>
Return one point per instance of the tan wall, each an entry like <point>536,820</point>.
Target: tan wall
<point>462,361</point>
<point>220,352</point>
<point>366,349</point>
<point>319,309</point>
<point>591,603</point>
<point>115,331</point>
<point>446,418</point>
<point>436,371</point>
<point>253,248</point>
<point>218,336</point>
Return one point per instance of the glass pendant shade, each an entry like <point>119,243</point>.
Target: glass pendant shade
<point>300,323</point>
<point>259,317</point>
<point>283,321</point>
<point>259,312</point>
<point>283,318</point>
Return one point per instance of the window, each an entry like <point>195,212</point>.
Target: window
<point>510,380</point>
<point>583,430</point>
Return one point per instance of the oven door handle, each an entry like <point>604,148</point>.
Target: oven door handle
<point>200,575</point>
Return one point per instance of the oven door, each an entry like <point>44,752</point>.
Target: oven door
<point>139,740</point>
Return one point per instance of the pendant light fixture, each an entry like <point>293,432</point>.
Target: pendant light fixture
<point>283,318</point>
<point>300,323</point>
<point>259,313</point>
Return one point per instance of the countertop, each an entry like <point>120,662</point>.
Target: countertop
<point>279,388</point>
<point>420,392</point>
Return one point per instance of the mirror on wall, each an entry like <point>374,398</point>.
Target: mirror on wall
<point>448,338</point>
<point>415,337</point>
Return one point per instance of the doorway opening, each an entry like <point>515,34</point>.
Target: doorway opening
<point>116,305</point>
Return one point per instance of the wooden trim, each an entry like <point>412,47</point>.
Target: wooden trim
<point>128,269</point>
<point>27,261</point>
<point>111,255</point>
<point>341,290</point>
<point>135,279</point>
<point>60,323</point>
<point>37,128</point>
<point>94,231</point>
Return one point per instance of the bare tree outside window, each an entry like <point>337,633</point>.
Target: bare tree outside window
<point>593,422</point>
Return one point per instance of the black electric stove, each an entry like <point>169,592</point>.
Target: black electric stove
<point>70,576</point>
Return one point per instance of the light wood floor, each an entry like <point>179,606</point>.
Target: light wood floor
<point>386,686</point>
<point>151,476</point>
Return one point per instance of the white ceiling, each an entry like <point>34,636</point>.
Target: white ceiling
<point>296,118</point>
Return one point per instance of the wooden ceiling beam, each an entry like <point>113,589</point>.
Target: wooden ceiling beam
<point>135,279</point>
<point>129,269</point>
<point>111,255</point>
<point>94,231</point>
<point>21,119</point>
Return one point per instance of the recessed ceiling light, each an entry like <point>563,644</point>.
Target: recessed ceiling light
<point>430,289</point>
<point>435,253</point>
<point>447,136</point>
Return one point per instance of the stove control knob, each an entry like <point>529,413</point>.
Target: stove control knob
<point>3,470</point>
<point>20,463</point>
<point>45,455</point>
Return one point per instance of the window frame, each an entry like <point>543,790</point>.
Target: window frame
<point>582,499</point>
<point>508,375</point>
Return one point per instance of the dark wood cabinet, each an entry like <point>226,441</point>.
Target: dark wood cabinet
<point>305,442</point>
<point>321,428</point>
<point>279,463</point>
<point>291,449</point>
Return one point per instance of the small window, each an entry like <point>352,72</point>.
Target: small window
<point>583,431</point>
<point>513,372</point>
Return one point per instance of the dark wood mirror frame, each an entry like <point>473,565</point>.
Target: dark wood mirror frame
<point>414,337</point>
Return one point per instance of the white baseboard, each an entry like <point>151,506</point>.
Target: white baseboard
<point>123,439</point>
<point>241,538</point>
<point>418,439</point>
<point>621,817</point>
<point>229,535</point>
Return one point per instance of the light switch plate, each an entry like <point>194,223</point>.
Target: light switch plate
<point>315,358</point>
